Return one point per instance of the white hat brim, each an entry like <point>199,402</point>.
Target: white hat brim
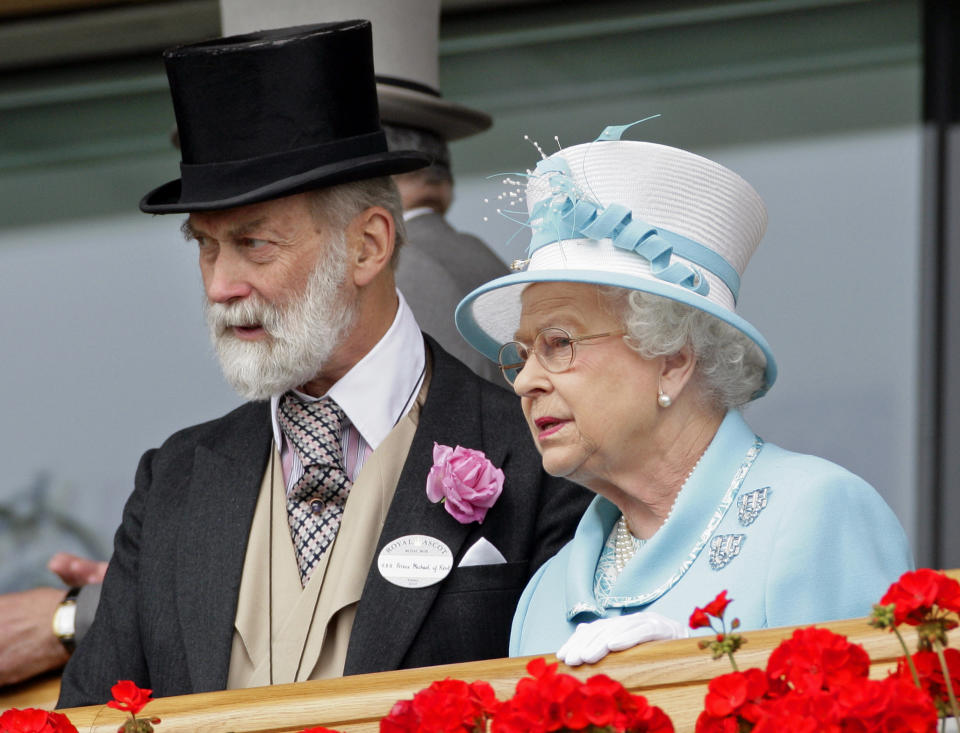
<point>488,317</point>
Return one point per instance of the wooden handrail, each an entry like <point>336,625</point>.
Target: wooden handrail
<point>671,674</point>
<point>39,692</point>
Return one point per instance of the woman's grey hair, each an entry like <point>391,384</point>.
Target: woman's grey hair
<point>335,207</point>
<point>729,369</point>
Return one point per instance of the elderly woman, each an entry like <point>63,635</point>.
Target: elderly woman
<point>620,338</point>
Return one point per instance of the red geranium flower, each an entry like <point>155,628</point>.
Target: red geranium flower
<point>699,619</point>
<point>446,706</point>
<point>916,592</point>
<point>595,702</point>
<point>401,718</point>
<point>718,605</point>
<point>817,659</point>
<point>650,719</point>
<point>548,701</point>
<point>707,723</point>
<point>909,710</point>
<point>818,682</point>
<point>715,608</point>
<point>891,704</point>
<point>931,677</point>
<point>128,697</point>
<point>31,720</point>
<point>800,713</point>
<point>732,693</point>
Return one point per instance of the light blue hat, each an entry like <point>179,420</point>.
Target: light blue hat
<point>634,215</point>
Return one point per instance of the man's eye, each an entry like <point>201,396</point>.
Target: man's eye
<point>255,243</point>
<point>203,242</point>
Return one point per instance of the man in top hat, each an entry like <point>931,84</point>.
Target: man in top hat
<point>285,541</point>
<point>439,265</point>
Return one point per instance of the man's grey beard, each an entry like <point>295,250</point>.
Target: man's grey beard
<point>301,335</point>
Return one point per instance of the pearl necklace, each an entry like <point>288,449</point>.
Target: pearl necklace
<point>625,545</point>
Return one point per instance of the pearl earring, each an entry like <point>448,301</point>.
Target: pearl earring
<point>662,399</point>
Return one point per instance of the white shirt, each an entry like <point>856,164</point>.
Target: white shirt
<point>414,213</point>
<point>374,395</point>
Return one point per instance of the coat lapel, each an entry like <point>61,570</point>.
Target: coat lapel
<point>450,415</point>
<point>222,496</point>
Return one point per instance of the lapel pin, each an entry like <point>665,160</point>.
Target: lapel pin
<point>415,561</point>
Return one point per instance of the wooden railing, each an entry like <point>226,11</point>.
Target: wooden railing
<point>39,692</point>
<point>671,674</point>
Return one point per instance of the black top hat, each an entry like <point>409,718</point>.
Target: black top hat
<point>273,113</point>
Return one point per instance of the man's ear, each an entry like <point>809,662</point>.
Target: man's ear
<point>677,371</point>
<point>372,231</point>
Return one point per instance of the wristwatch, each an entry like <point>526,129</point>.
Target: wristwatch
<point>65,618</point>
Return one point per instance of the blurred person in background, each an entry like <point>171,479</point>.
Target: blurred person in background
<point>39,627</point>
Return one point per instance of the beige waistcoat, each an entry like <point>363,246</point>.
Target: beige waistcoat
<point>309,627</point>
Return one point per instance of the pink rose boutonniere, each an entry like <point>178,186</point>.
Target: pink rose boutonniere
<point>465,481</point>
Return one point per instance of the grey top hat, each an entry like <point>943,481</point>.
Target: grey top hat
<point>405,39</point>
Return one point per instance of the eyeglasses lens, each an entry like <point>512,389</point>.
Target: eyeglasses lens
<point>513,356</point>
<point>554,346</point>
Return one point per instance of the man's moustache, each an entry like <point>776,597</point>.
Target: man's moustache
<point>223,317</point>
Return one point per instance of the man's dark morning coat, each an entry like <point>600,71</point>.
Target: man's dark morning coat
<point>166,616</point>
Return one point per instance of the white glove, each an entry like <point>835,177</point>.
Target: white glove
<point>592,641</point>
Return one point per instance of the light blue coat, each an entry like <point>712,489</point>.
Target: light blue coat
<point>794,539</point>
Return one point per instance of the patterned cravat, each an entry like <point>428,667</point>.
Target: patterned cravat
<point>315,504</point>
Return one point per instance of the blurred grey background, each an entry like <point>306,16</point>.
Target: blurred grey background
<point>828,107</point>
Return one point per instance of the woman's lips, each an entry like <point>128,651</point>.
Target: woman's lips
<point>548,426</point>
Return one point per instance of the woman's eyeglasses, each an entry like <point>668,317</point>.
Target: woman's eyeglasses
<point>554,348</point>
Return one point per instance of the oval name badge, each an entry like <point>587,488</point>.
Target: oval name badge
<point>415,561</point>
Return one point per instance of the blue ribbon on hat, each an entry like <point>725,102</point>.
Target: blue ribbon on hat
<point>568,214</point>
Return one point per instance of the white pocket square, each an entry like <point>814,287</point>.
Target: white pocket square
<point>482,553</point>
